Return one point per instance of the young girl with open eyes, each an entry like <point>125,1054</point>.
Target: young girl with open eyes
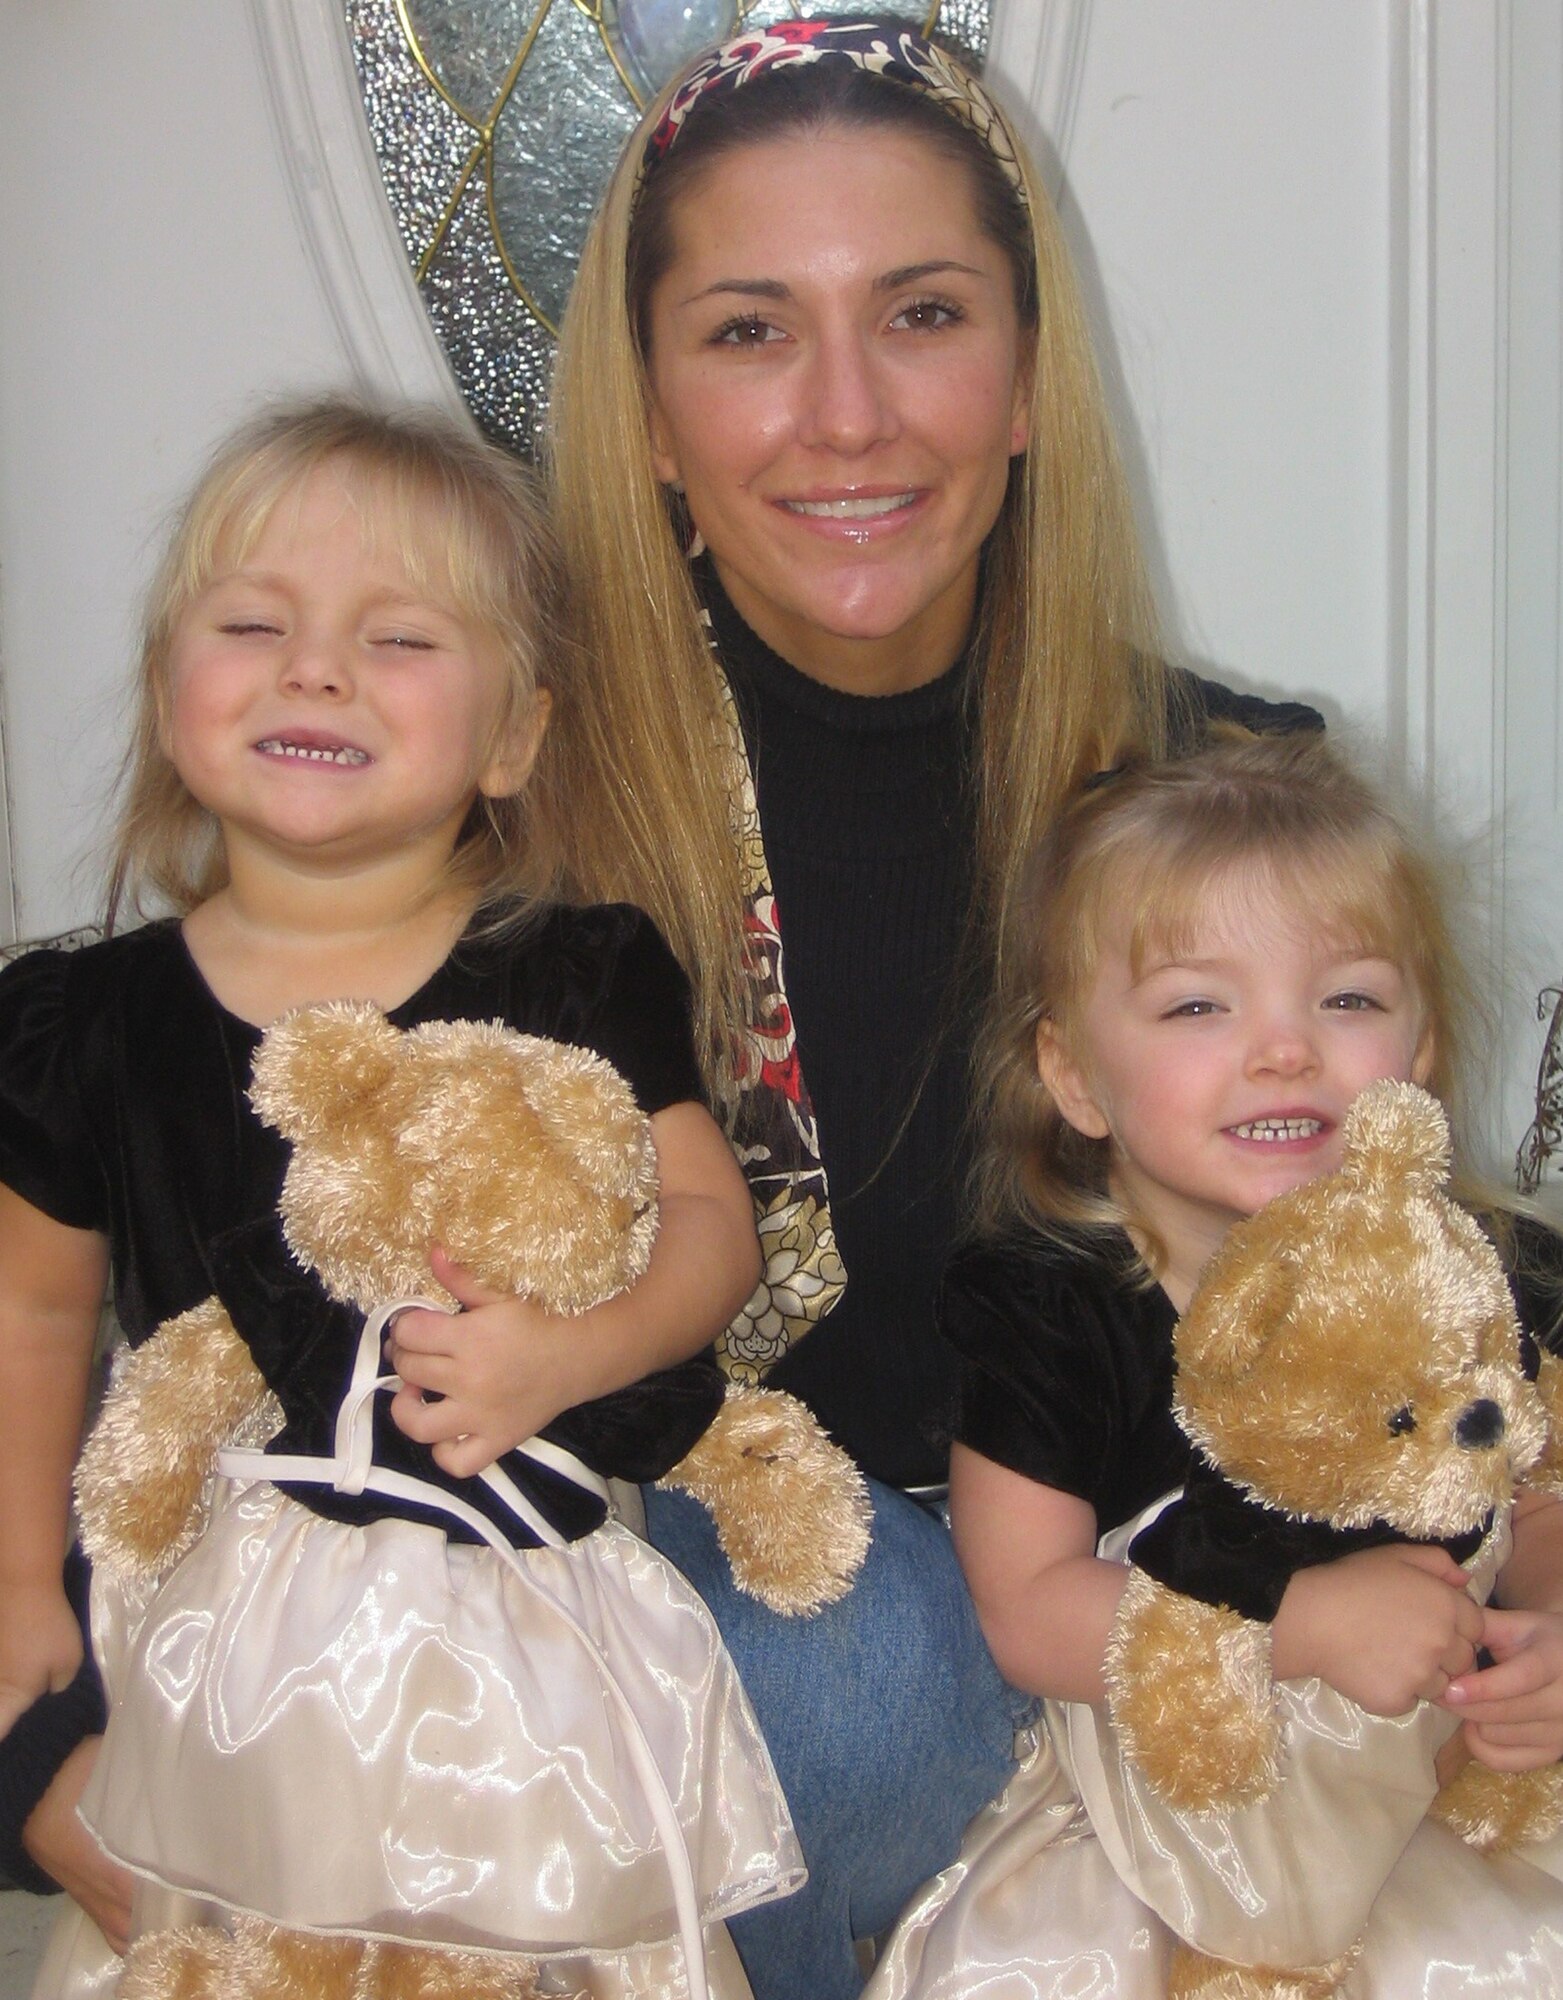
<point>344,686</point>
<point>1218,955</point>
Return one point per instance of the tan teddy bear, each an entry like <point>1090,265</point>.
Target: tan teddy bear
<point>530,1163</point>
<point>1350,1373</point>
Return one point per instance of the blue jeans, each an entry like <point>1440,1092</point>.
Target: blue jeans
<point>888,1723</point>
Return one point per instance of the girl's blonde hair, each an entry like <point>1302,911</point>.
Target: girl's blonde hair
<point>466,521</point>
<point>1067,666</point>
<point>1141,856</point>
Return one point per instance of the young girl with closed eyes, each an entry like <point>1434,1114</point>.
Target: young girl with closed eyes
<point>345,682</point>
<point>1218,955</point>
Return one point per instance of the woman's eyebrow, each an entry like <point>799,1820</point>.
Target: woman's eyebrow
<point>888,281</point>
<point>752,288</point>
<point>914,274</point>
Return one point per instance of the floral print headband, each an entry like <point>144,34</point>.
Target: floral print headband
<point>880,46</point>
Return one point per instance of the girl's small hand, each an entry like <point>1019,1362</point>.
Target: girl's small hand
<point>57,1842</point>
<point>497,1371</point>
<point>1513,1709</point>
<point>1386,1628</point>
<point>40,1648</point>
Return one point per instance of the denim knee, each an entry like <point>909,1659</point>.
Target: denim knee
<point>887,1720</point>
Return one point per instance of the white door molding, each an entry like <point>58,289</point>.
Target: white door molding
<point>333,177</point>
<point>1037,51</point>
<point>1448,384</point>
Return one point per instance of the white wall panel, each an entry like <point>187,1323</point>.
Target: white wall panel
<point>155,287</point>
<point>1227,164</point>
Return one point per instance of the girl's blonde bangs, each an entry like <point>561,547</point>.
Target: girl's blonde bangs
<point>1347,891</point>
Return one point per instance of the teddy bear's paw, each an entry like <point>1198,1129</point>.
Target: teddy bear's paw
<point>141,1480</point>
<point>195,1962</point>
<point>1191,1697</point>
<point>1495,1811</point>
<point>1193,1976</point>
<point>791,1510</point>
<point>417,1972</point>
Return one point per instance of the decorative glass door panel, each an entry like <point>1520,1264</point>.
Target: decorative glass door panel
<point>496,124</point>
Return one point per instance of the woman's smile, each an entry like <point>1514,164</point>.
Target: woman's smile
<point>855,510</point>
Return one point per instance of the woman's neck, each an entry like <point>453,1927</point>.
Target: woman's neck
<point>274,939</point>
<point>907,658</point>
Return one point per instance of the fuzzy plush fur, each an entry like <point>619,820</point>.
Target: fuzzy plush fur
<point>256,1961</point>
<point>1344,1362</point>
<point>767,1444</point>
<point>530,1162</point>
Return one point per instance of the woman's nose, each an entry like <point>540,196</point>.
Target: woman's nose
<point>848,407</point>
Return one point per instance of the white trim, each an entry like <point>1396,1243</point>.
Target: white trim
<point>1411,467</point>
<point>1530,727</point>
<point>1037,50</point>
<point>1448,343</point>
<point>328,160</point>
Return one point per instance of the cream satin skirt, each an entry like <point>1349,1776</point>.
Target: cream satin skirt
<point>1073,1883</point>
<point>377,1731</point>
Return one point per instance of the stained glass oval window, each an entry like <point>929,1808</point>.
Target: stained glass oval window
<point>496,124</point>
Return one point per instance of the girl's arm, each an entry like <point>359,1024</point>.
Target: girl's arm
<point>57,1842</point>
<point>1044,1599</point>
<point>1385,1628</point>
<point>505,1367</point>
<point>52,1282</point>
<point>1514,1709</point>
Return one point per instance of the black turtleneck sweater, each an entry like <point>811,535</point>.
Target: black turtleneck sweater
<point>867,814</point>
<point>868,818</point>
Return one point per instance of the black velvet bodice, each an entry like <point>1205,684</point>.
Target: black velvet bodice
<point>124,1108</point>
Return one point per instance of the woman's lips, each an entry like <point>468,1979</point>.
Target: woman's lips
<point>852,506</point>
<point>859,518</point>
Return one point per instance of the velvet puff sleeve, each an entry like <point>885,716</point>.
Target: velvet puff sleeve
<point>1066,1372</point>
<point>631,1003</point>
<point>47,1155</point>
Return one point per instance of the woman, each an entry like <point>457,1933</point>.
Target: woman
<point>827,416</point>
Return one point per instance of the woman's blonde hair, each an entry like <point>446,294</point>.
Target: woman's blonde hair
<point>1067,667</point>
<point>467,523</point>
<point>1141,856</point>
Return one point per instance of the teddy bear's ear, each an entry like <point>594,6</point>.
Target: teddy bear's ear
<point>1242,1294</point>
<point>1396,1135</point>
<point>314,1064</point>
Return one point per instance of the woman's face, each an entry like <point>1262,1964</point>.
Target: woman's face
<point>836,381</point>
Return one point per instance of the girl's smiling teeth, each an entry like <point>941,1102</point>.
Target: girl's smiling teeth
<point>312,753</point>
<point>1271,1130</point>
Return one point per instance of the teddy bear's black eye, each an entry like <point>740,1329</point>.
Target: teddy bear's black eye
<point>1402,1421</point>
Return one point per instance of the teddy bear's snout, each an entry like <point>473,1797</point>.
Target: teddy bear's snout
<point>1480,1424</point>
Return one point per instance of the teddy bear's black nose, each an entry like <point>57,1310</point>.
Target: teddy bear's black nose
<point>1480,1425</point>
